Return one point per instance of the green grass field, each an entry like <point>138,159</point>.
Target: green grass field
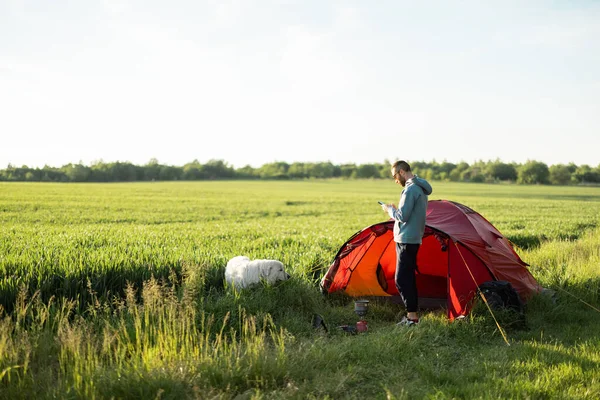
<point>116,291</point>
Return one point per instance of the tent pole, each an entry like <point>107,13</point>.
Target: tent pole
<point>482,296</point>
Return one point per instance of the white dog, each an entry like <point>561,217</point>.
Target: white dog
<point>242,272</point>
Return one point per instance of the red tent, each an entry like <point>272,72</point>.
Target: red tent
<point>460,251</point>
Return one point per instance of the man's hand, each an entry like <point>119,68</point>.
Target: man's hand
<point>386,207</point>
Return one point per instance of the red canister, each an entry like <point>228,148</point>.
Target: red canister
<point>361,326</point>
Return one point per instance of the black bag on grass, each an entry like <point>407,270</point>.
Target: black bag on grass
<point>500,295</point>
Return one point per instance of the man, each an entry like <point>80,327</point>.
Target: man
<point>408,234</point>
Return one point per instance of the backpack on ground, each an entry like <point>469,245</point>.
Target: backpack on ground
<point>501,295</point>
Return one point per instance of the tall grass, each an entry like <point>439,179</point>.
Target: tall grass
<point>136,349</point>
<point>116,291</point>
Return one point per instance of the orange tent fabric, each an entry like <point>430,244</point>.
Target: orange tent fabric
<point>460,251</point>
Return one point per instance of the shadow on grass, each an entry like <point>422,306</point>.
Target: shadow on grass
<point>525,241</point>
<point>529,241</point>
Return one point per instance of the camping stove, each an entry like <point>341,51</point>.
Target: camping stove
<point>361,307</point>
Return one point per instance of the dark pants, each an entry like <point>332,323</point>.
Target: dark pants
<point>406,282</point>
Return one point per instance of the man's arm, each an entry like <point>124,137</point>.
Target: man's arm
<point>407,203</point>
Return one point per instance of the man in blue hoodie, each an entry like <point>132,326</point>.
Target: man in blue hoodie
<point>408,234</point>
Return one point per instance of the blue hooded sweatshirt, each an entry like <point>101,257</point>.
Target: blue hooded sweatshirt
<point>411,212</point>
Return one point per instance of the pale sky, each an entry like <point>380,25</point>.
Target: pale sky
<point>252,82</point>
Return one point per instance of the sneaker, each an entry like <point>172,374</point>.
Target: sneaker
<point>407,322</point>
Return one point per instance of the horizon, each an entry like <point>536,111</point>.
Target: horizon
<point>96,162</point>
<point>311,81</point>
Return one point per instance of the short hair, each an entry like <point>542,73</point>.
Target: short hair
<point>400,165</point>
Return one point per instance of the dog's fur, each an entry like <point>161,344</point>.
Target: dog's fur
<point>242,272</point>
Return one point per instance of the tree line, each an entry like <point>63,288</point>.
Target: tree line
<point>530,172</point>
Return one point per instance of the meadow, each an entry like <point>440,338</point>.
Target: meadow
<point>116,291</point>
